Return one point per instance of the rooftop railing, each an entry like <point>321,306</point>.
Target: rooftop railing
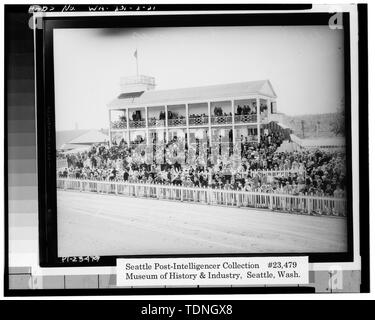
<point>141,79</point>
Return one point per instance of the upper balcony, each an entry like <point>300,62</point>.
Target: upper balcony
<point>245,111</point>
<point>198,114</point>
<point>137,118</point>
<point>176,115</point>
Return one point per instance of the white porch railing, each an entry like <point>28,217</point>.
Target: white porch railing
<point>249,118</point>
<point>177,122</point>
<point>156,123</point>
<point>120,124</point>
<point>198,121</point>
<point>137,124</point>
<point>221,120</point>
<point>208,196</point>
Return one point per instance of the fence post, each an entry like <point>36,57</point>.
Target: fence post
<point>271,201</point>
<point>308,206</point>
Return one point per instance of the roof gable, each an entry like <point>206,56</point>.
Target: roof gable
<point>92,136</point>
<point>267,89</point>
<point>63,137</point>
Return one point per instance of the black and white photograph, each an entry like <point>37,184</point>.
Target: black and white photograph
<point>200,140</point>
<point>174,150</point>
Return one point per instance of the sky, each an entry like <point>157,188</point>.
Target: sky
<point>305,65</point>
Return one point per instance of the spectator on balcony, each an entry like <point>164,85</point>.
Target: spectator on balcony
<point>218,111</point>
<point>162,115</point>
<point>246,110</point>
<point>239,110</point>
<point>253,109</point>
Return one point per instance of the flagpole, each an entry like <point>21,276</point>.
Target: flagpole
<point>136,57</point>
<point>137,66</point>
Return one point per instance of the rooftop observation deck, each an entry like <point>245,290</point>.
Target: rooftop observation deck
<point>140,83</point>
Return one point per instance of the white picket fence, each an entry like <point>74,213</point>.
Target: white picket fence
<point>278,173</point>
<point>272,201</point>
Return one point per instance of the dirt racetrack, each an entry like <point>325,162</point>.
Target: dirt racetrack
<point>92,224</point>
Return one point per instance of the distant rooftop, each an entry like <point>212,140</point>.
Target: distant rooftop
<point>193,94</point>
<point>70,139</point>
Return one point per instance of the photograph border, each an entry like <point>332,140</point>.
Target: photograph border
<point>46,118</point>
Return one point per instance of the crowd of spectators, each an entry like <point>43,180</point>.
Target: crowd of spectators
<point>246,110</point>
<point>136,116</point>
<point>218,112</point>
<point>304,172</point>
<point>195,116</point>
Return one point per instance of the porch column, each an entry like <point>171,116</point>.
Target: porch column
<point>127,127</point>
<point>187,124</point>
<point>258,119</point>
<point>147,131</point>
<point>233,122</point>
<point>166,123</point>
<point>110,128</point>
<point>209,122</point>
<point>268,109</point>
